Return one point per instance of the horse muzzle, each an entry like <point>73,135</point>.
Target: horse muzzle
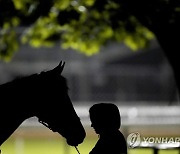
<point>76,138</point>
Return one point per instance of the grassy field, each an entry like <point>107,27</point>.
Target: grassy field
<point>59,146</point>
<point>44,141</point>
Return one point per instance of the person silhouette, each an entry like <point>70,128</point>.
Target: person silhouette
<point>105,119</point>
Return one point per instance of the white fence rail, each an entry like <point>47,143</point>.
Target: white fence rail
<point>130,116</point>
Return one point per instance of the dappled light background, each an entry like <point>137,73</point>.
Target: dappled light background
<point>114,52</point>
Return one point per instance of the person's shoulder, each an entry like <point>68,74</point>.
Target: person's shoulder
<point>123,142</point>
<point>121,134</point>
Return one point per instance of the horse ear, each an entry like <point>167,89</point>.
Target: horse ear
<point>58,69</point>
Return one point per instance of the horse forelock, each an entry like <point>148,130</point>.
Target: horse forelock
<point>58,79</point>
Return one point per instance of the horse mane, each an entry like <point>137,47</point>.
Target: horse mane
<point>35,78</point>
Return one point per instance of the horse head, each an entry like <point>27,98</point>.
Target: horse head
<point>57,112</point>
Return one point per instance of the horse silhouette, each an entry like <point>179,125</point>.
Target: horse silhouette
<point>45,96</point>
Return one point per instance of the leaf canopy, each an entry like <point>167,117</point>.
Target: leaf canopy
<point>83,25</point>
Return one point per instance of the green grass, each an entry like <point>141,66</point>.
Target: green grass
<point>44,146</point>
<point>59,146</point>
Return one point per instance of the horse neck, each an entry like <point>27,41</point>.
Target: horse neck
<point>14,107</point>
<point>15,96</point>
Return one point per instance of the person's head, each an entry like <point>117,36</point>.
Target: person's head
<point>104,117</point>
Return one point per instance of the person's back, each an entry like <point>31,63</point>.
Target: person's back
<point>105,118</point>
